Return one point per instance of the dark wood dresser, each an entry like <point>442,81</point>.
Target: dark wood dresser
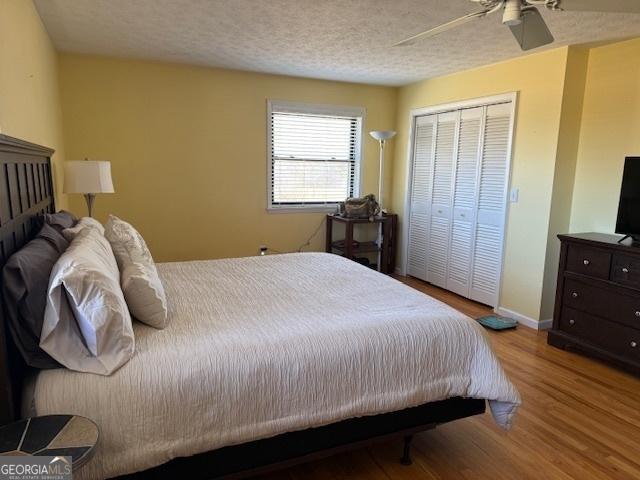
<point>597,308</point>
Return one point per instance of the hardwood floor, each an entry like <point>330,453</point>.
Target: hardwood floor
<point>580,419</point>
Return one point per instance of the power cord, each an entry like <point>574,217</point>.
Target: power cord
<point>313,235</point>
<point>264,249</point>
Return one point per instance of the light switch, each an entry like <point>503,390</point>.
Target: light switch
<point>514,195</point>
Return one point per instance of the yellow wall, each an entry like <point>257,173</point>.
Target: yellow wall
<point>29,93</point>
<point>610,131</point>
<point>565,168</point>
<point>188,150</point>
<point>539,81</point>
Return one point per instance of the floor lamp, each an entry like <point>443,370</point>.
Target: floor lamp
<point>381,136</point>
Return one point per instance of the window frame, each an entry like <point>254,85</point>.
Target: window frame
<point>313,109</point>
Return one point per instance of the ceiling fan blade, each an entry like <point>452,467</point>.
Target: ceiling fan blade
<point>444,27</point>
<point>532,31</point>
<point>614,6</point>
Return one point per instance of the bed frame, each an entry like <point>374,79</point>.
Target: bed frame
<point>26,191</point>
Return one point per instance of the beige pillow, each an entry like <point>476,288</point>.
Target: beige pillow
<point>87,326</point>
<point>85,222</point>
<point>127,243</point>
<point>144,294</point>
<point>139,278</point>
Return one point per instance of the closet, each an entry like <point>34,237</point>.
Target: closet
<point>457,198</point>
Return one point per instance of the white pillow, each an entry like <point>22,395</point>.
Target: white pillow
<point>84,222</point>
<point>87,326</point>
<point>139,278</point>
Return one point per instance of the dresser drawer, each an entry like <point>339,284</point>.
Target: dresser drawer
<point>602,302</point>
<point>626,270</point>
<point>588,261</point>
<point>622,340</point>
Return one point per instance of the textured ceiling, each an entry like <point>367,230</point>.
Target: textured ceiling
<point>331,39</point>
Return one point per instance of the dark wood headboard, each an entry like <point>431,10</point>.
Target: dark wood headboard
<point>26,190</point>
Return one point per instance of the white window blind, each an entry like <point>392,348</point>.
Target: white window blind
<point>314,156</point>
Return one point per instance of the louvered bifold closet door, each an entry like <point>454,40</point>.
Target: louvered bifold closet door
<point>441,198</point>
<point>464,200</point>
<point>494,162</point>
<point>420,196</point>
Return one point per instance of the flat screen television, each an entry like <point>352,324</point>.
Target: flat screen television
<point>629,207</point>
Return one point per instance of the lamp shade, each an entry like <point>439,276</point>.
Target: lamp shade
<point>87,176</point>
<point>382,134</point>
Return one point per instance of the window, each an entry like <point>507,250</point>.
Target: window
<point>313,154</point>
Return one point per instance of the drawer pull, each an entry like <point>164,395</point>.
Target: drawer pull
<point>625,270</point>
<point>575,295</point>
<point>637,314</point>
<point>572,321</point>
<point>634,344</point>
<point>586,262</point>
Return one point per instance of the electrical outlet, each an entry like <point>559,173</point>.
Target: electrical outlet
<point>514,195</point>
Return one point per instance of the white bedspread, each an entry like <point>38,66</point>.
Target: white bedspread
<point>264,345</point>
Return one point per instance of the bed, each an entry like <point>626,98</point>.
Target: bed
<point>266,360</point>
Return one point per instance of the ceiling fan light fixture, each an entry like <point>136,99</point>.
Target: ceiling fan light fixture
<point>512,13</point>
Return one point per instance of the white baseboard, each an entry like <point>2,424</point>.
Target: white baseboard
<point>524,320</point>
<point>545,324</point>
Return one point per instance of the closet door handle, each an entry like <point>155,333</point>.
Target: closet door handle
<point>572,321</point>
<point>586,262</point>
<point>575,295</point>
<point>633,344</point>
<point>625,270</point>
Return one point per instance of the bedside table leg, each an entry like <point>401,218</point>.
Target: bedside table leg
<point>329,238</point>
<point>384,256</point>
<point>348,241</point>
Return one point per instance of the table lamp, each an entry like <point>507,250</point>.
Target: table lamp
<point>88,177</point>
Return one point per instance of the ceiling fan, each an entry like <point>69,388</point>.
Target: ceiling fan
<point>524,20</point>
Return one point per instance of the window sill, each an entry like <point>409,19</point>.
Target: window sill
<point>314,209</point>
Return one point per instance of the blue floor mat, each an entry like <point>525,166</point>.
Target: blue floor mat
<point>495,322</point>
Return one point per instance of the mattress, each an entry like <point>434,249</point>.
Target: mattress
<point>259,346</point>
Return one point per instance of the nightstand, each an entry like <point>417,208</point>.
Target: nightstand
<point>349,248</point>
<point>51,435</point>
